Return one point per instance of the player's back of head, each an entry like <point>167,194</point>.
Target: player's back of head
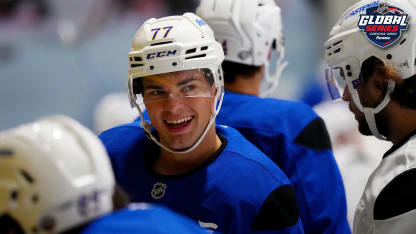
<point>248,28</point>
<point>250,32</point>
<point>54,175</point>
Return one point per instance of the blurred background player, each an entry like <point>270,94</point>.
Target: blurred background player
<point>55,176</point>
<point>379,84</point>
<point>290,133</point>
<point>182,159</point>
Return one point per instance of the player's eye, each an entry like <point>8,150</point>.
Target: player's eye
<point>188,88</point>
<point>157,92</point>
<point>154,92</point>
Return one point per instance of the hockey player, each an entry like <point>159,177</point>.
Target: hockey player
<point>206,172</point>
<point>55,176</point>
<point>290,133</point>
<point>376,76</point>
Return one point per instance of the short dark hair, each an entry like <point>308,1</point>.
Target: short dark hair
<point>405,89</point>
<point>233,70</point>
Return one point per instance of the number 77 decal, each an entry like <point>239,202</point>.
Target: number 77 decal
<point>156,30</point>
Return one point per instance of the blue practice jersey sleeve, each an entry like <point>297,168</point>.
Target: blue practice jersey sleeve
<point>296,139</point>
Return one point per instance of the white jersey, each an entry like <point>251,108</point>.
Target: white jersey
<point>388,204</point>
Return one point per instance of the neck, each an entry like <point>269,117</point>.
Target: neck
<point>169,163</point>
<point>401,122</point>
<point>246,85</point>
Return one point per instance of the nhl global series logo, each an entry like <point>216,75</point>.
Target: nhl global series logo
<point>158,190</point>
<point>382,24</point>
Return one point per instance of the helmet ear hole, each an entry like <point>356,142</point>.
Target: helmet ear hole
<point>27,176</point>
<point>14,195</point>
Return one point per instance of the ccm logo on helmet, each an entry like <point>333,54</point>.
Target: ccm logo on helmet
<point>160,54</point>
<point>382,24</point>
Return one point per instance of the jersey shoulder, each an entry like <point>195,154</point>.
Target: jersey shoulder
<point>398,168</point>
<point>122,138</point>
<point>276,108</point>
<point>125,145</point>
<point>269,197</point>
<point>397,197</point>
<point>244,159</point>
<point>264,119</point>
<point>265,113</point>
<point>240,149</point>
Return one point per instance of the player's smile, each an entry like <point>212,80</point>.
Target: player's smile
<point>178,125</point>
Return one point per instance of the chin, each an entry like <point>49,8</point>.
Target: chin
<point>180,145</point>
<point>381,123</point>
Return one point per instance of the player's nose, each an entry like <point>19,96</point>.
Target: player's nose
<point>173,104</point>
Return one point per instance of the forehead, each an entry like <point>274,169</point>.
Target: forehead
<point>175,78</point>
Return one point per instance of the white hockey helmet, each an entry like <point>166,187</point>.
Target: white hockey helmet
<point>348,47</point>
<point>171,44</point>
<point>248,29</point>
<point>54,175</point>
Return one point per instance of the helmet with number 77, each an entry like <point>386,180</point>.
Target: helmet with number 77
<point>171,44</point>
<point>348,47</point>
<point>55,175</point>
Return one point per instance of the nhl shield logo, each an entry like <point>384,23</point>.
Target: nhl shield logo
<point>383,24</point>
<point>383,8</point>
<point>158,190</point>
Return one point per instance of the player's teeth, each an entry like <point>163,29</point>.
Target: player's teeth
<point>177,121</point>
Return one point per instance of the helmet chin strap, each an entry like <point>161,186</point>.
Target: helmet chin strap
<point>370,112</point>
<point>147,126</point>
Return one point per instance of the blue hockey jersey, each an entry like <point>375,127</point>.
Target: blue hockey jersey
<point>238,190</point>
<point>296,139</point>
<point>143,218</point>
